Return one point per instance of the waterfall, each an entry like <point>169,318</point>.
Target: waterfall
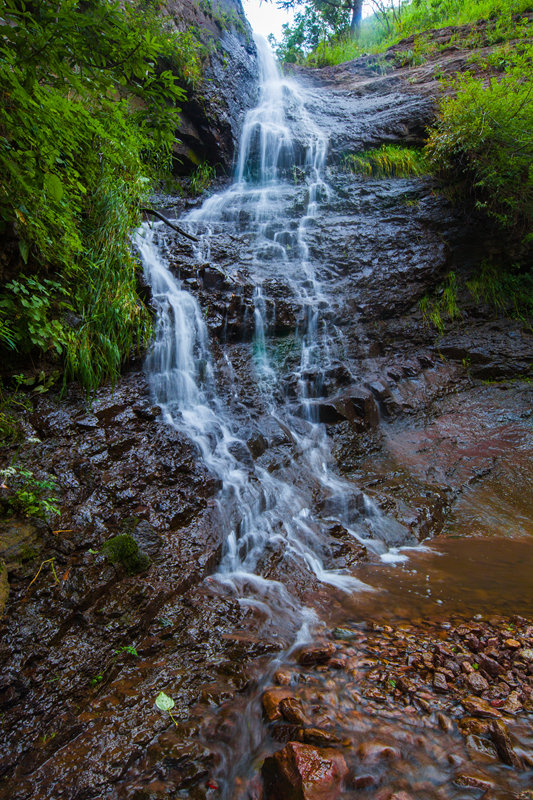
<point>261,510</point>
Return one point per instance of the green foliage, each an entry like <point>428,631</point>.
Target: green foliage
<point>124,550</point>
<point>482,143</point>
<point>28,303</point>
<point>202,178</point>
<point>88,121</point>
<point>388,161</point>
<point>33,497</point>
<point>391,22</point>
<point>442,304</point>
<point>313,28</point>
<point>510,291</point>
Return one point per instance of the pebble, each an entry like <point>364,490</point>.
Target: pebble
<point>439,682</point>
<point>477,683</point>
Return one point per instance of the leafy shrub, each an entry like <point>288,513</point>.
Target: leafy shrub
<point>124,550</point>
<point>482,143</point>
<point>33,497</point>
<point>388,161</point>
<point>88,120</point>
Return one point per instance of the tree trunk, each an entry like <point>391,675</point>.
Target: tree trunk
<point>357,13</point>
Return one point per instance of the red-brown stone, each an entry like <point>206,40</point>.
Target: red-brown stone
<point>302,772</point>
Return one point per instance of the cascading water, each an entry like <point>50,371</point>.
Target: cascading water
<point>261,510</point>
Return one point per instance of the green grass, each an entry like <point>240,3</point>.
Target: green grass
<point>441,305</point>
<point>389,161</point>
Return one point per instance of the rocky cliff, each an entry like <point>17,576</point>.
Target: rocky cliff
<point>212,117</point>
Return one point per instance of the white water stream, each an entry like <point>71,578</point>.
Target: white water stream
<point>259,509</point>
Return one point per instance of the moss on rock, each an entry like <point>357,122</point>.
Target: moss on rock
<point>124,551</point>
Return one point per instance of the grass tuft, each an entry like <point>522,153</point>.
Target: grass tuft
<point>390,161</point>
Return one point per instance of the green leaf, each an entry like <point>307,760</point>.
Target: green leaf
<point>164,702</point>
<point>24,250</point>
<point>54,187</point>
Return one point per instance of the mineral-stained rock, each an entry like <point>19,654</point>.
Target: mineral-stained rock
<point>478,707</point>
<point>512,644</point>
<point>490,666</point>
<point>502,740</point>
<point>302,772</point>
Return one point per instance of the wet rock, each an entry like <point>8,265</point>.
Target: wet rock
<point>257,444</point>
<point>319,737</point>
<point>271,702</point>
<point>302,772</point>
<point>445,723</point>
<point>526,654</point>
<point>283,677</point>
<point>358,406</point>
<point>478,707</point>
<point>363,781</point>
<point>316,655</point>
<point>512,644</point>
<point>149,541</point>
<point>479,727</point>
<point>21,541</point>
<point>513,704</point>
<point>490,665</point>
<point>473,781</point>
<point>477,683</point>
<point>480,746</point>
<point>292,710</point>
<point>502,739</point>
<point>372,752</point>
<point>440,683</point>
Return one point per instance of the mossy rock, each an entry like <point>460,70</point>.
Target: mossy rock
<point>124,551</point>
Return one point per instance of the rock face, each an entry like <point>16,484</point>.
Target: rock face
<point>213,114</point>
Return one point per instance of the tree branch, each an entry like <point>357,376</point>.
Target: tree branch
<point>169,223</point>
